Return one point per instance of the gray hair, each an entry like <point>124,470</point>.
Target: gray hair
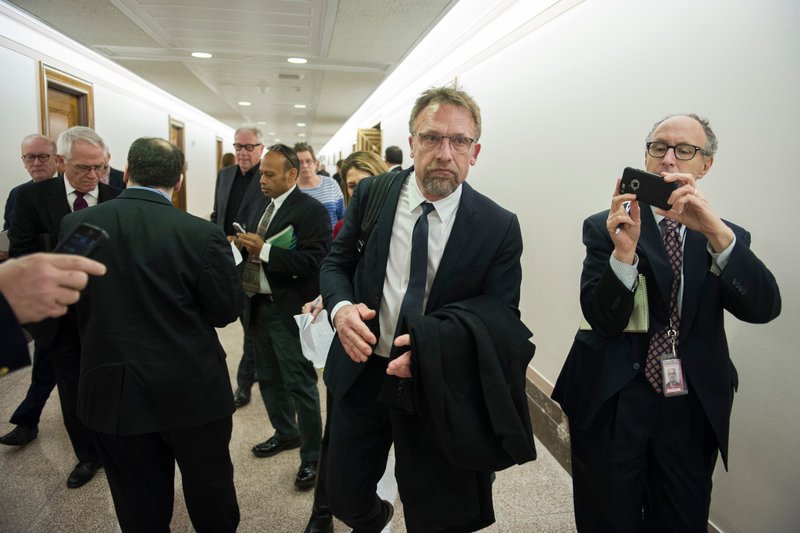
<point>711,139</point>
<point>38,137</point>
<point>251,129</point>
<point>446,95</point>
<point>78,133</point>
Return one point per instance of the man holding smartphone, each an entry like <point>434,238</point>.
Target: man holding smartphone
<point>645,436</point>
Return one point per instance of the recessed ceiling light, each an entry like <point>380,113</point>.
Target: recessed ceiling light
<point>244,103</point>
<point>262,122</point>
<point>301,134</point>
<point>301,124</point>
<point>202,55</point>
<point>297,60</point>
<point>276,141</point>
<point>299,106</point>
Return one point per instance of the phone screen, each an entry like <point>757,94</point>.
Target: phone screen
<point>83,241</point>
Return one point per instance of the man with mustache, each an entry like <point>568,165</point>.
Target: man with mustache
<point>469,246</point>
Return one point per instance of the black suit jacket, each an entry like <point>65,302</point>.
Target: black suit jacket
<point>150,357</point>
<point>253,203</point>
<point>116,178</point>
<point>37,217</point>
<point>604,360</point>
<point>293,275</point>
<point>482,256</point>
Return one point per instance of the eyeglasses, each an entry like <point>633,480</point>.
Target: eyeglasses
<point>30,158</point>
<point>85,169</point>
<point>431,141</point>
<point>288,153</point>
<point>684,152</point>
<point>248,147</point>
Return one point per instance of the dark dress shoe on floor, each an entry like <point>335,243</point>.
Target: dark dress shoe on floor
<point>388,513</point>
<point>241,397</point>
<point>19,435</point>
<point>274,446</point>
<point>320,524</point>
<point>306,476</point>
<point>83,473</point>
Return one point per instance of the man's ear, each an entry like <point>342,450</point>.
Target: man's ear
<point>178,185</point>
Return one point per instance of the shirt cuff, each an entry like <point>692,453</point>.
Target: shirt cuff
<point>720,260</point>
<point>336,310</point>
<point>264,254</point>
<point>626,274</point>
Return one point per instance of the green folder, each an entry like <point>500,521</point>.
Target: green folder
<point>640,316</point>
<point>285,239</point>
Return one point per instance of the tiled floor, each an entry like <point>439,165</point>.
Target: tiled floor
<point>535,497</point>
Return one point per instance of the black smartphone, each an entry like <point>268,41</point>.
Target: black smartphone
<point>648,188</point>
<point>85,241</point>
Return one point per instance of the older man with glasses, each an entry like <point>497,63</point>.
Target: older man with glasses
<point>39,210</point>
<point>649,406</point>
<point>39,158</point>
<point>237,197</point>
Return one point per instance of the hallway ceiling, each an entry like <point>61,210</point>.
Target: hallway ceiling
<point>350,45</point>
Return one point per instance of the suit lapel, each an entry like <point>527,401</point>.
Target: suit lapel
<point>695,268</point>
<point>276,224</point>
<point>57,205</point>
<point>382,231</point>
<point>651,246</point>
<point>463,229</point>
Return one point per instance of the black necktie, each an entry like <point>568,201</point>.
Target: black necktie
<point>418,273</point>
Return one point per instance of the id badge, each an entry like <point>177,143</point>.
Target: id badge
<point>672,379</point>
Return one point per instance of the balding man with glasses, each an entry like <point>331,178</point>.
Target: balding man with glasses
<point>649,405</point>
<point>237,198</point>
<point>39,210</point>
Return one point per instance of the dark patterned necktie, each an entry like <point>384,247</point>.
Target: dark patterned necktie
<point>660,342</point>
<point>80,201</point>
<point>251,276</point>
<point>418,273</point>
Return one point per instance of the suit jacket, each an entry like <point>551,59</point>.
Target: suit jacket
<point>604,360</point>
<point>8,214</point>
<point>37,217</point>
<point>293,275</point>
<point>482,256</point>
<point>116,178</point>
<point>253,203</point>
<point>150,357</point>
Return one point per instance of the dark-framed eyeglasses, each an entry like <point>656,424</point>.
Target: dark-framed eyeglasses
<point>431,141</point>
<point>85,169</point>
<point>248,147</point>
<point>288,153</point>
<point>684,152</point>
<point>30,158</point>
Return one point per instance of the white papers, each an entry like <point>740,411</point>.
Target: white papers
<point>237,255</point>
<point>315,337</point>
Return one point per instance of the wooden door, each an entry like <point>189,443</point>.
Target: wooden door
<point>176,137</point>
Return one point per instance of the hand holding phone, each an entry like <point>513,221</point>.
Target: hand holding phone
<point>648,188</point>
<point>84,240</point>
<point>239,227</point>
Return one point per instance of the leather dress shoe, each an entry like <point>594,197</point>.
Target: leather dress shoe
<point>274,446</point>
<point>388,513</point>
<point>20,435</point>
<point>83,473</point>
<point>320,524</point>
<point>241,397</point>
<point>306,476</point>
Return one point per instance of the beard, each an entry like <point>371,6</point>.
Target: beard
<point>439,184</point>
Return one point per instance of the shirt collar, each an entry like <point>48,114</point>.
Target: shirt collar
<point>159,191</point>
<point>282,198</point>
<point>70,189</point>
<point>445,208</point>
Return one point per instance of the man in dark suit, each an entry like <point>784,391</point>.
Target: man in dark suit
<point>393,156</point>
<point>39,158</point>
<point>238,198</point>
<point>39,210</point>
<point>154,386</point>
<point>280,276</point>
<point>473,248</point>
<point>643,453</point>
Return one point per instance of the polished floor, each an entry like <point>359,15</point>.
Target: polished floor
<point>535,497</point>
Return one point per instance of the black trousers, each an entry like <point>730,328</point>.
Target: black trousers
<point>141,474</point>
<point>436,495</point>
<point>644,465</point>
<point>43,381</point>
<point>66,354</point>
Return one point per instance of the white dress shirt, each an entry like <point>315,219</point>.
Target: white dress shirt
<point>91,197</point>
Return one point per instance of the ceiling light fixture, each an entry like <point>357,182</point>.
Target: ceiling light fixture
<point>301,124</point>
<point>297,60</point>
<point>244,103</point>
<point>202,55</point>
<point>299,106</point>
<point>301,134</point>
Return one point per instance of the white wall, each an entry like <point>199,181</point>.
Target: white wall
<point>566,107</point>
<point>126,107</point>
